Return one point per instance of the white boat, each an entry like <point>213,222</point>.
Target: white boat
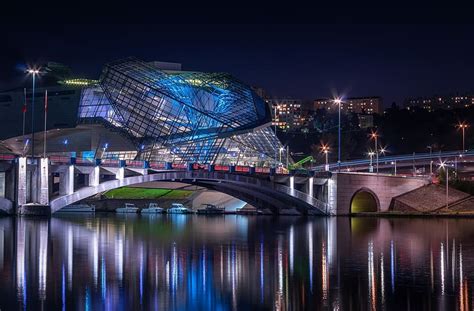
<point>129,208</point>
<point>78,208</point>
<point>178,208</point>
<point>152,208</point>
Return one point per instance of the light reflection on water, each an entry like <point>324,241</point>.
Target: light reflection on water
<point>235,262</point>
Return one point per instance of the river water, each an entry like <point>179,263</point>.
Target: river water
<point>235,263</point>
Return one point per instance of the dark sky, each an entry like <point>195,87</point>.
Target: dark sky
<point>301,61</point>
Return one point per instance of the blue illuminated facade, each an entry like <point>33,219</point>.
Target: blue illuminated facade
<point>181,116</point>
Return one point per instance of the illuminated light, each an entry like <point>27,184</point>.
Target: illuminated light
<point>33,71</point>
<point>79,82</point>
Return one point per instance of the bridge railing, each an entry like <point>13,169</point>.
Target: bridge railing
<point>399,158</point>
<point>7,157</point>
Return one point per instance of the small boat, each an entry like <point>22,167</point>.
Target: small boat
<point>78,208</point>
<point>248,211</point>
<point>152,208</point>
<point>129,208</point>
<point>178,208</point>
<point>210,209</point>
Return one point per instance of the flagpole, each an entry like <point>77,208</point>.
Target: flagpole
<point>45,117</point>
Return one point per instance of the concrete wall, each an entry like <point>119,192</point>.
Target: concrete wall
<point>343,186</point>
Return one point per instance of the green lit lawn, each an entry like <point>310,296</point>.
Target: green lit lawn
<point>146,193</point>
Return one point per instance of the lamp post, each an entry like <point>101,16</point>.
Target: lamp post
<point>394,163</point>
<point>33,73</point>
<point>276,137</point>
<point>338,101</point>
<point>65,142</point>
<point>375,136</point>
<point>463,127</point>
<point>371,167</point>
<point>443,165</point>
<point>325,150</point>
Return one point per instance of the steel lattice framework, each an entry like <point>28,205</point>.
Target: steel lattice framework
<point>182,116</point>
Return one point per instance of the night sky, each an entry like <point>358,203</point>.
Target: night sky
<point>300,61</point>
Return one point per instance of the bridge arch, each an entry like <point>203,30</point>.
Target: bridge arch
<point>256,191</point>
<point>364,200</point>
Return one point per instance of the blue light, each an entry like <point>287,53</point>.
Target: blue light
<point>66,141</point>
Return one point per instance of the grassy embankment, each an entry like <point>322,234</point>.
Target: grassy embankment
<point>147,193</point>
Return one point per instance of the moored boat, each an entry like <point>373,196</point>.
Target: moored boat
<point>78,208</point>
<point>178,208</point>
<point>129,208</point>
<point>152,208</point>
<point>210,209</point>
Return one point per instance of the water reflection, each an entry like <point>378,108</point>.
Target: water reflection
<point>235,262</point>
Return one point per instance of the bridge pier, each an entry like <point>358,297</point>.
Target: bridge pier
<point>66,181</point>
<point>94,176</point>
<point>33,187</point>
<point>22,188</point>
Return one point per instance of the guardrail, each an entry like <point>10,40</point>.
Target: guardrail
<point>399,159</point>
<point>242,169</point>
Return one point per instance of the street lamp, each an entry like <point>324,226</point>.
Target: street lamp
<point>445,166</point>
<point>65,143</point>
<point>375,137</point>
<point>33,73</point>
<point>371,167</point>
<point>394,163</point>
<point>338,101</point>
<point>463,127</point>
<point>325,150</point>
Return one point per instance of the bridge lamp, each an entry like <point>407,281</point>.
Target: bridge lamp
<point>65,143</point>
<point>338,101</point>
<point>33,72</point>
<point>445,166</point>
<point>394,163</point>
<point>463,126</point>
<point>371,155</point>
<point>104,149</point>
<point>375,136</point>
<point>325,150</point>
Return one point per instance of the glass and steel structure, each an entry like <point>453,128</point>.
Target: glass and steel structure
<point>181,116</point>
